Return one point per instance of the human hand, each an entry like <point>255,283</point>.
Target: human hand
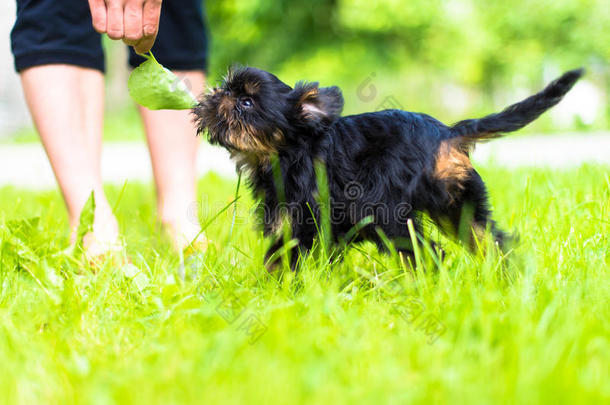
<point>136,22</point>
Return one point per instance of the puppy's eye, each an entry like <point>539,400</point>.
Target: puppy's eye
<point>246,102</point>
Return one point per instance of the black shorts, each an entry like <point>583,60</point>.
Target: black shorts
<point>60,31</point>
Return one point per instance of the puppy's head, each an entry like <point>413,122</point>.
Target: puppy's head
<point>254,112</point>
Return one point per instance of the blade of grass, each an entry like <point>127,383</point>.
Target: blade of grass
<point>234,208</point>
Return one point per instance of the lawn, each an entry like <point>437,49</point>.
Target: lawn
<point>528,328</point>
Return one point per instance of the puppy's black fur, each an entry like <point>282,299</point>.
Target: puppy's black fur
<point>389,165</point>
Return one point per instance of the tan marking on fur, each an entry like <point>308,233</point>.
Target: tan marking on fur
<point>308,109</point>
<point>248,139</point>
<point>226,106</point>
<point>254,149</point>
<point>479,231</point>
<point>278,136</point>
<point>245,137</point>
<point>452,165</point>
<point>252,88</point>
<point>477,237</point>
<point>310,93</point>
<point>277,227</point>
<point>247,162</point>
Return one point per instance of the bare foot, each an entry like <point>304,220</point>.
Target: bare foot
<point>105,236</point>
<point>186,236</point>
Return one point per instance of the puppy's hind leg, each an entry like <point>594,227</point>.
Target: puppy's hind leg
<point>468,216</point>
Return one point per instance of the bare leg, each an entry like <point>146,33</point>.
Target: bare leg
<point>67,106</point>
<point>173,150</point>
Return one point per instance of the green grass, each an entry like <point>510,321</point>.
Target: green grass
<point>530,328</point>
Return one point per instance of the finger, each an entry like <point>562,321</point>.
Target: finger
<point>133,23</point>
<point>144,45</point>
<point>114,23</point>
<point>98,15</point>
<point>150,25</point>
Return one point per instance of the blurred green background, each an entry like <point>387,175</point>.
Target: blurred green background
<point>453,59</point>
<point>450,58</point>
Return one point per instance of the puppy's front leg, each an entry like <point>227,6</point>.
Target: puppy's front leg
<point>274,256</point>
<point>304,237</point>
<point>273,260</point>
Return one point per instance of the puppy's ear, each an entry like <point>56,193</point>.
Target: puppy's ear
<point>315,105</point>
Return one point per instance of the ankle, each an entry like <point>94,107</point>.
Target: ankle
<point>105,228</point>
<point>182,233</point>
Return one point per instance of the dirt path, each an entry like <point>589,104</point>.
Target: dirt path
<point>27,166</point>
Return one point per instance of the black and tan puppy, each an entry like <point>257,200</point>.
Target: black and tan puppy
<point>389,166</point>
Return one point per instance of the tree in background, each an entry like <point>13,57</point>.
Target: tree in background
<point>491,51</point>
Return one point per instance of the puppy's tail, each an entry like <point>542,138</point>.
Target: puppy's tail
<point>517,115</point>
